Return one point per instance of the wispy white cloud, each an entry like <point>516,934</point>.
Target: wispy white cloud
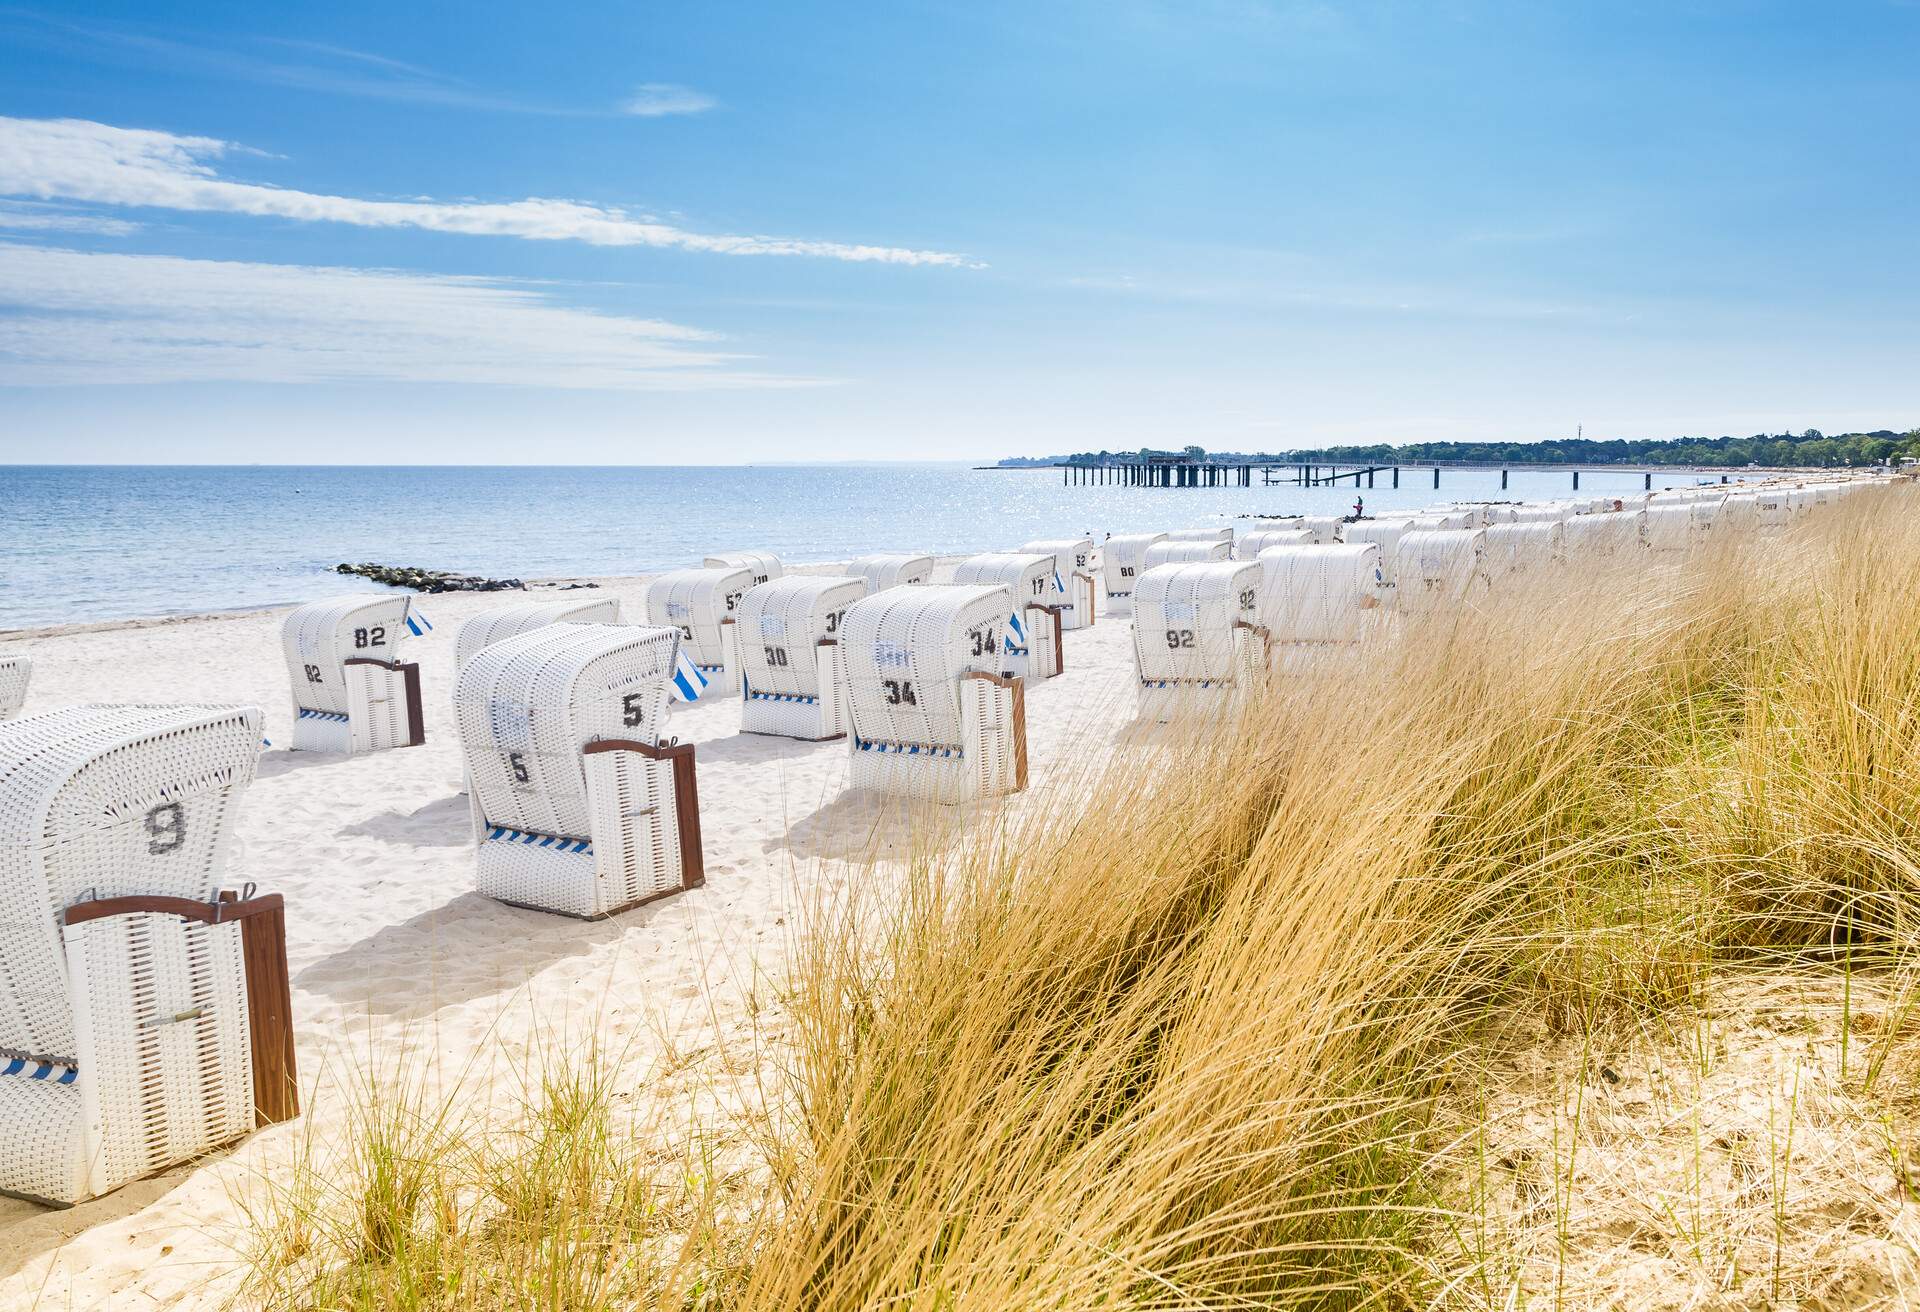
<point>79,160</point>
<point>658,99</point>
<point>74,317</point>
<point>29,216</point>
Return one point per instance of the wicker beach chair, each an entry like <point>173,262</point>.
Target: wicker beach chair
<point>1032,647</point>
<point>1512,549</point>
<point>579,807</point>
<point>892,570</point>
<point>1384,534</point>
<point>144,1014</point>
<point>16,668</point>
<point>1074,590</point>
<point>1203,535</point>
<point>790,656</point>
<point>929,714</point>
<point>503,622</point>
<point>1197,637</point>
<point>700,603</point>
<point>1326,529</point>
<point>1189,551</point>
<point>1329,594</point>
<point>1546,512</point>
<point>1597,536</point>
<point>350,691</point>
<point>1436,568</point>
<point>1251,544</point>
<point>1121,560</point>
<point>764,565</point>
<point>1668,526</point>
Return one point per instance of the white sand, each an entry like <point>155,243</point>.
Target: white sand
<point>394,956</point>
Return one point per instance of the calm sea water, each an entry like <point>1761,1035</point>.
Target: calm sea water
<point>84,542</point>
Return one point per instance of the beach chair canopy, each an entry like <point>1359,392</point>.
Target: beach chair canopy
<point>763,565</point>
<point>1190,551</point>
<point>1251,544</point>
<point>1184,616</point>
<point>1122,557</point>
<point>1434,566</point>
<point>1521,547</point>
<point>1202,535</point>
<point>781,626</point>
<point>502,622</point>
<point>320,637</point>
<point>1320,593</point>
<point>905,652</point>
<point>16,668</point>
<point>892,570</point>
<point>698,602</point>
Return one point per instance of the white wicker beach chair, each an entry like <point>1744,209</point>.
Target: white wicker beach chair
<point>790,656</point>
<point>1190,551</point>
<point>764,565</point>
<point>892,570</point>
<point>15,669</point>
<point>1203,535</point>
<point>578,806</point>
<point>1325,528</point>
<point>144,1013</point>
<point>1251,544</point>
<point>1197,637</point>
<point>1032,647</point>
<point>1321,594</point>
<point>1550,512</point>
<point>929,714</point>
<point>1513,549</point>
<point>350,691</point>
<point>1597,536</point>
<point>700,603</point>
<point>1121,560</point>
<point>1436,568</point>
<point>503,622</point>
<point>1074,590</point>
<point>1384,534</point>
<point>1668,526</point>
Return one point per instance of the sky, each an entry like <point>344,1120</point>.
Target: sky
<point>619,233</point>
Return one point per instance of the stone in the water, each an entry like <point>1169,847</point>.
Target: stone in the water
<point>428,580</point>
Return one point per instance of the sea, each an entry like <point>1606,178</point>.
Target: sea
<point>86,543</point>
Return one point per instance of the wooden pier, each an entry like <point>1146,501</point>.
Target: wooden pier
<point>1182,471</point>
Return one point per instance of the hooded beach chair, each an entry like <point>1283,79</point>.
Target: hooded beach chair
<point>1187,551</point>
<point>350,691</point>
<point>1074,589</point>
<point>1546,512</point>
<point>790,655</point>
<point>1321,594</point>
<point>1508,550</point>
<point>144,1013</point>
<point>929,714</point>
<point>1598,536</point>
<point>1203,535</point>
<point>1667,526</point>
<point>892,570</point>
<point>15,669</point>
<point>1384,534</point>
<point>1121,560</point>
<point>764,565</point>
<point>1197,638</point>
<point>1031,647</point>
<point>503,622</point>
<point>578,806</point>
<point>1253,543</point>
<point>700,603</point>
<point>1436,568</point>
<point>1326,529</point>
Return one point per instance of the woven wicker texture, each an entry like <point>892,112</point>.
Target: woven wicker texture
<point>1201,535</point>
<point>1332,593</point>
<point>1073,571</point>
<point>1184,551</point>
<point>1027,650</point>
<point>1511,549</point>
<point>15,669</point>
<point>502,622</point>
<point>556,829</point>
<point>790,682</point>
<point>1122,557</point>
<point>1434,568</point>
<point>1325,528</point>
<point>1609,533</point>
<point>699,603</point>
<point>1252,544</point>
<point>342,708</point>
<point>763,565</point>
<point>147,1012</point>
<point>1384,534</point>
<point>891,570</point>
<point>1184,617</point>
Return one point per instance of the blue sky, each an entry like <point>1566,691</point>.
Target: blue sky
<point>613,233</point>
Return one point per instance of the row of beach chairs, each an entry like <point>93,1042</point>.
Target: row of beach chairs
<point>145,1005</point>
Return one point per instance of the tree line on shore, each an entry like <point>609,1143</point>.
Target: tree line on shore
<point>1811,447</point>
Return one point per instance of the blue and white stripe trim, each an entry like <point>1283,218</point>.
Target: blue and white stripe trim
<point>755,694</point>
<point>1187,683</point>
<point>336,716</point>
<point>689,680</point>
<point>51,1072</point>
<point>417,624</point>
<point>909,749</point>
<point>502,834</point>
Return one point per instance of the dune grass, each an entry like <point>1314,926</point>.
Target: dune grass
<point>1192,1031</point>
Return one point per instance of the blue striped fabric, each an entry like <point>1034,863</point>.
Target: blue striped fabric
<point>417,624</point>
<point>502,834</point>
<point>907,749</point>
<point>755,694</point>
<point>306,714</point>
<point>689,680</point>
<point>51,1072</point>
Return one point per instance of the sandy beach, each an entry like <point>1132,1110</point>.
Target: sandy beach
<point>400,968</point>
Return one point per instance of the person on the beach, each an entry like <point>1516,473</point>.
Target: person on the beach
<point>1359,507</point>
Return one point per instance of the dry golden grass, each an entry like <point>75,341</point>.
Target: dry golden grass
<point>1201,1034</point>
